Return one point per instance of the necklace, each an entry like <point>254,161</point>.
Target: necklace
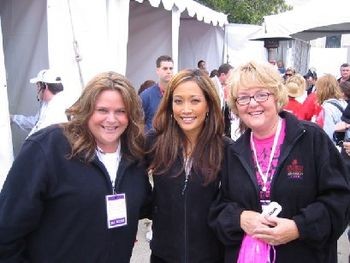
<point>264,177</point>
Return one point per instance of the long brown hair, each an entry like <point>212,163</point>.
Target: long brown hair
<point>207,155</point>
<point>77,132</point>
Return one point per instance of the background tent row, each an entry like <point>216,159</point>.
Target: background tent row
<point>81,38</point>
<point>312,20</point>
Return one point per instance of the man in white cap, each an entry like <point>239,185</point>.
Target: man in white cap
<point>52,105</point>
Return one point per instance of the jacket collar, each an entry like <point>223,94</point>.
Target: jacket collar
<point>294,128</point>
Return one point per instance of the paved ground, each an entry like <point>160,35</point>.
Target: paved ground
<point>142,253</point>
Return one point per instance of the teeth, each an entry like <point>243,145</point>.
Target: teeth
<point>255,113</point>
<point>110,128</point>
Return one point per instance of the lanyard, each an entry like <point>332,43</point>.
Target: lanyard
<point>264,177</point>
<point>110,161</point>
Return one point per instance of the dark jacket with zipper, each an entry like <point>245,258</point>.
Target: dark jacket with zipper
<point>54,210</point>
<point>311,184</point>
<point>181,233</point>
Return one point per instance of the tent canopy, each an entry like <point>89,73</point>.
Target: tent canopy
<point>315,19</point>
<point>178,32</point>
<point>193,8</point>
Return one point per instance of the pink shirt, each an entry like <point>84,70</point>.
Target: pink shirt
<point>263,150</point>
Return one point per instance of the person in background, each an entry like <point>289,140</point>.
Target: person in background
<point>221,83</point>
<point>295,88</point>
<point>283,160</point>
<point>289,72</point>
<point>345,88</point>
<point>214,73</point>
<point>344,125</point>
<point>280,67</point>
<point>202,65</point>
<point>76,190</point>
<point>311,78</point>
<point>52,103</point>
<point>185,156</point>
<point>145,85</point>
<point>152,96</point>
<point>344,73</point>
<point>310,107</point>
<point>342,131</point>
<point>345,128</point>
<point>331,99</point>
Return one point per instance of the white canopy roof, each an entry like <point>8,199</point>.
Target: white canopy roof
<point>202,13</point>
<point>315,19</point>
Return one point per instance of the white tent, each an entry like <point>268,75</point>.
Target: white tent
<point>311,20</point>
<point>176,29</point>
<point>6,155</point>
<point>315,19</point>
<point>238,48</point>
<point>81,38</point>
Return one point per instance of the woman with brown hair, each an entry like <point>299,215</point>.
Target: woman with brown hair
<point>76,191</point>
<point>331,99</point>
<point>186,152</point>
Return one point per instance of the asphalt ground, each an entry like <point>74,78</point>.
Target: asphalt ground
<point>141,252</point>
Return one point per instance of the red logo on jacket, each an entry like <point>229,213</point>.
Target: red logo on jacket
<point>295,171</point>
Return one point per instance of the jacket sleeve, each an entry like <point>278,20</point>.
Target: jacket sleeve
<point>146,209</point>
<point>326,218</point>
<point>21,202</point>
<point>224,219</point>
<point>26,123</point>
<point>224,213</point>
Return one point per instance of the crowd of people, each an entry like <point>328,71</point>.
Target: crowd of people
<point>239,165</point>
<point>318,99</point>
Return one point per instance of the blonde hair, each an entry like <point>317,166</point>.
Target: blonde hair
<point>295,85</point>
<point>253,75</point>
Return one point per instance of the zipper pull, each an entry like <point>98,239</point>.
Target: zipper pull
<point>185,185</point>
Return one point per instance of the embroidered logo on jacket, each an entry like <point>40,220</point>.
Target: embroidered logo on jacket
<point>295,171</point>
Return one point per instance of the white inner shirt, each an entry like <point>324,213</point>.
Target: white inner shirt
<point>111,161</point>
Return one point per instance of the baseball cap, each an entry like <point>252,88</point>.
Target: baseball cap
<point>47,76</point>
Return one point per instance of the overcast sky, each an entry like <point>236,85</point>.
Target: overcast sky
<point>295,3</point>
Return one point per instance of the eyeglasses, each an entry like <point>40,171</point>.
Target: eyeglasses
<point>258,97</point>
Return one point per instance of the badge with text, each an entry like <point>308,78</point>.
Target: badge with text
<point>272,209</point>
<point>116,210</point>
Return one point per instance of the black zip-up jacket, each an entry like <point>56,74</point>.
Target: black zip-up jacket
<point>54,210</point>
<point>181,233</point>
<point>311,184</point>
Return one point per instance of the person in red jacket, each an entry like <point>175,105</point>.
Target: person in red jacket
<point>296,88</point>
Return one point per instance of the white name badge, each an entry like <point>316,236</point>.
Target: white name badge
<point>272,209</point>
<point>116,210</point>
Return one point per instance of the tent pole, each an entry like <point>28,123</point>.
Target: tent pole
<point>225,47</point>
<point>78,57</point>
